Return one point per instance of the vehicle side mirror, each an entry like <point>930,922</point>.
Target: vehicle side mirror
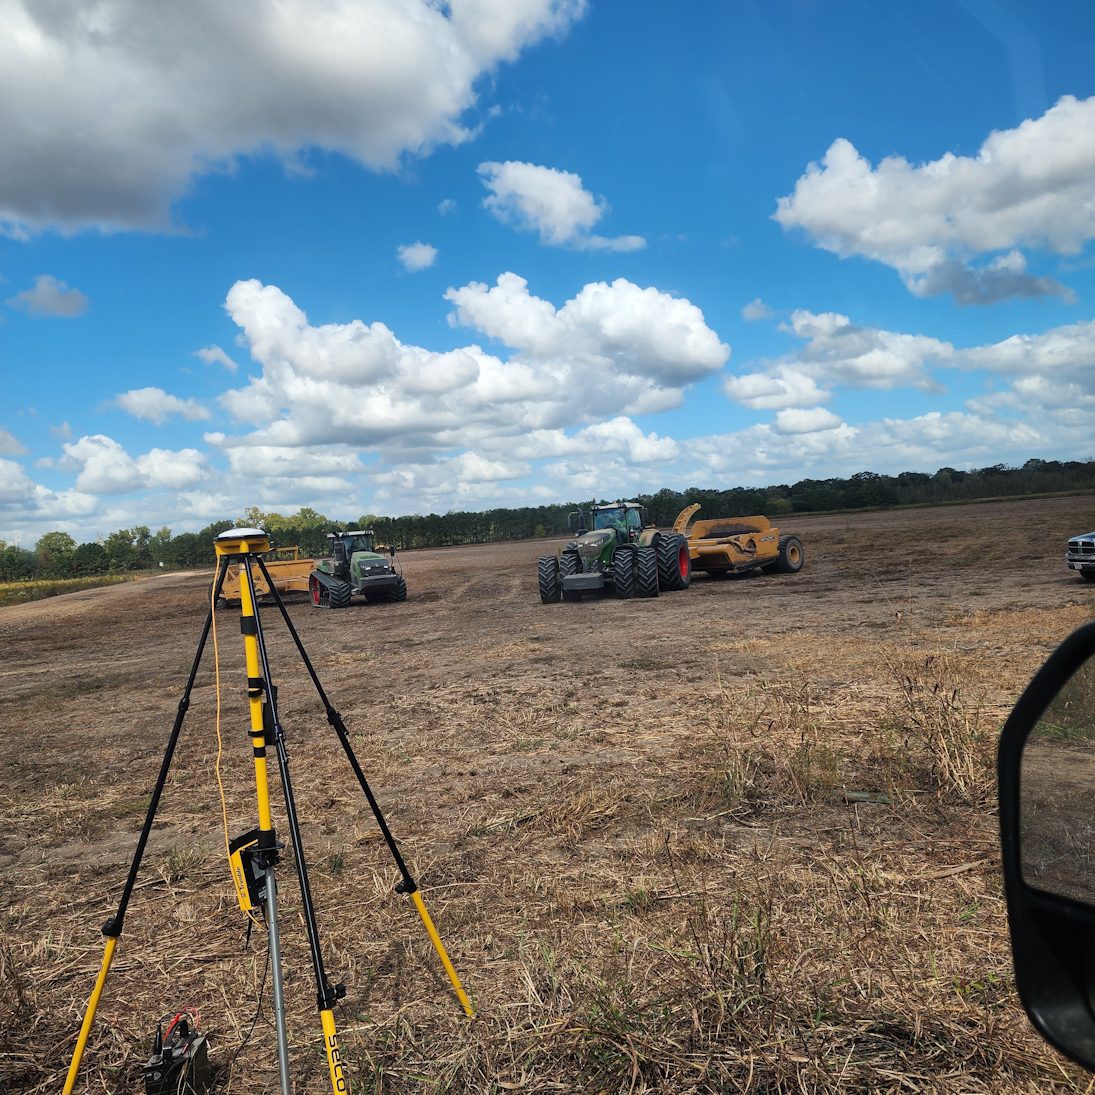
<point>1046,768</point>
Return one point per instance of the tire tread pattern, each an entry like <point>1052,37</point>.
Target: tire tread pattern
<point>669,571</point>
<point>647,572</point>
<point>339,594</point>
<point>623,572</point>
<point>547,577</point>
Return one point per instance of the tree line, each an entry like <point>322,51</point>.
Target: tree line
<point>58,555</point>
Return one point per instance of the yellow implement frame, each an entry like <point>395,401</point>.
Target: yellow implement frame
<point>728,544</point>
<point>288,568</point>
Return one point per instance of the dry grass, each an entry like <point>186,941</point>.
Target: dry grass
<point>769,866</point>
<point>14,593</point>
<point>759,933</point>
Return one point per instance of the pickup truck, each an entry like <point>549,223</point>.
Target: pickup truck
<point>1081,555</point>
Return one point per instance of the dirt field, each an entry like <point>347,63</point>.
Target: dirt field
<point>738,838</point>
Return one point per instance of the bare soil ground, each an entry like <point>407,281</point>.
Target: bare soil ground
<point>737,838</point>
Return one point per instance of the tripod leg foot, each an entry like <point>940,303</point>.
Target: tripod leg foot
<point>438,946</point>
<point>89,1017</point>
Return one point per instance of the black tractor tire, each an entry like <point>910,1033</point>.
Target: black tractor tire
<point>791,556</point>
<point>646,572</point>
<point>340,594</point>
<point>570,562</point>
<point>317,593</point>
<point>623,573</point>
<point>547,576</point>
<point>674,562</point>
<point>400,591</point>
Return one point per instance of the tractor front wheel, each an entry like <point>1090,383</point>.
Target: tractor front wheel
<point>646,577</point>
<point>623,573</point>
<point>547,576</point>
<point>400,591</point>
<point>674,562</point>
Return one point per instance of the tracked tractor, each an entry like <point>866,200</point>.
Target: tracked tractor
<point>616,550</point>
<point>355,568</point>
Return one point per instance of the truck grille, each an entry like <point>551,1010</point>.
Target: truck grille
<point>1081,547</point>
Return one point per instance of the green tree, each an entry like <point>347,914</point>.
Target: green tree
<point>17,563</point>
<point>158,546</point>
<point>54,551</point>
<point>90,559</point>
<point>119,550</point>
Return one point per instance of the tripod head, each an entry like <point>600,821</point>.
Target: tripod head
<point>241,541</point>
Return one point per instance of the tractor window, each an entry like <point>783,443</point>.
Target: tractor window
<point>634,519</point>
<point>360,543</point>
<point>609,518</point>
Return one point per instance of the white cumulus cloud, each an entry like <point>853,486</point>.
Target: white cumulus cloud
<point>214,355</point>
<point>109,107</point>
<point>612,350</point>
<point>1030,187</point>
<point>806,420</point>
<point>783,386</point>
<point>104,467</point>
<point>156,405</point>
<point>552,203</point>
<point>49,297</point>
<point>416,256</point>
<point>756,309</point>
<point>10,445</point>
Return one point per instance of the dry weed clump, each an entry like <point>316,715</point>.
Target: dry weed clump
<point>772,748</point>
<point>941,740</point>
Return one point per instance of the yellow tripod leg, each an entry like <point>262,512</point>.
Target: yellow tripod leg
<point>438,946</point>
<point>89,1017</point>
<point>334,1057</point>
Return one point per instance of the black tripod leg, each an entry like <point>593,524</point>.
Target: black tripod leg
<point>112,929</point>
<point>407,885</point>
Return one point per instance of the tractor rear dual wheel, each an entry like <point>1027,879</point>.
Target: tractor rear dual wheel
<point>646,572</point>
<point>674,562</point>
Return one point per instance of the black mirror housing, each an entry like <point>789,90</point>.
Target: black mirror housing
<point>1052,935</point>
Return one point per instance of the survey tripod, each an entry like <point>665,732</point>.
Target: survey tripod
<point>254,857</point>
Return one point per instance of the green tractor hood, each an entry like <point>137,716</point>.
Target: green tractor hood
<point>599,544</point>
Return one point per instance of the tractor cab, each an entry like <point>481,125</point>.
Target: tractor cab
<point>344,545</point>
<point>626,519</point>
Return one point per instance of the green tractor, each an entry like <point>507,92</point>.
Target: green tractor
<point>355,568</point>
<point>615,548</point>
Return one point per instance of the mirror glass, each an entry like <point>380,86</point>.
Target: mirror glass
<point>1057,793</point>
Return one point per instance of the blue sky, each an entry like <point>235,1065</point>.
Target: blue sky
<point>394,256</point>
